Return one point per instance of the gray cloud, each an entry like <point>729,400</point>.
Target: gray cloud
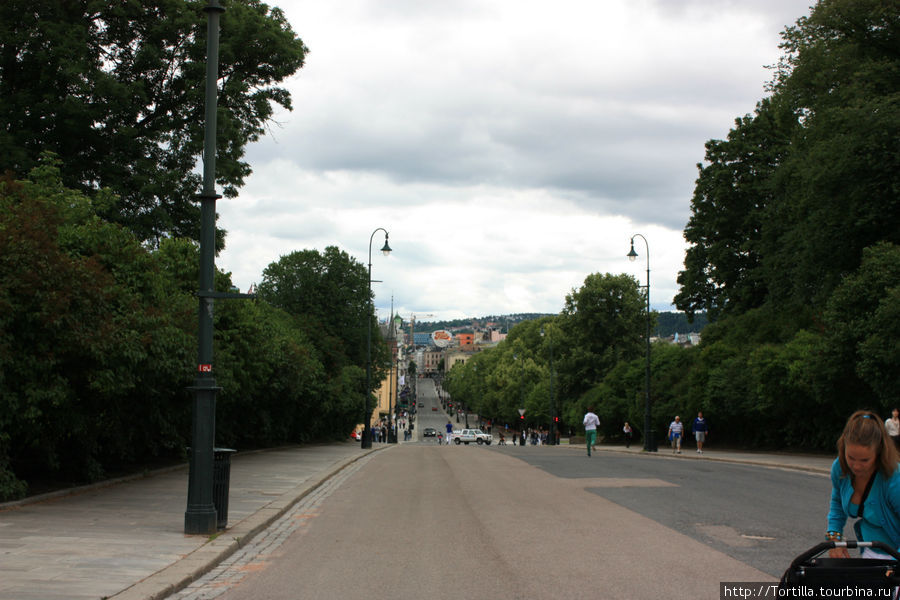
<point>493,123</point>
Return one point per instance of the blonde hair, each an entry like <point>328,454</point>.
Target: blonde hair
<point>865,428</point>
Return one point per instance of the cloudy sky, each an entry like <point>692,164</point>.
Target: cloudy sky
<point>510,147</point>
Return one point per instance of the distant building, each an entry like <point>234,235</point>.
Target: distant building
<point>681,339</point>
<point>465,339</point>
<point>432,359</point>
<point>423,339</point>
<point>459,355</point>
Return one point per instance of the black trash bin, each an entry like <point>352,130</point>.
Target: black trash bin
<point>221,482</point>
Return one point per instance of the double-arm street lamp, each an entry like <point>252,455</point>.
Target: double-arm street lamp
<point>367,429</point>
<point>649,444</point>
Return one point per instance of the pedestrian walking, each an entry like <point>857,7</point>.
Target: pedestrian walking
<point>700,429</point>
<point>449,428</point>
<point>627,431</point>
<point>676,431</point>
<point>892,426</point>
<point>591,422</point>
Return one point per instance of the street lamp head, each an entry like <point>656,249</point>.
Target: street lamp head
<point>632,255</point>
<point>386,249</point>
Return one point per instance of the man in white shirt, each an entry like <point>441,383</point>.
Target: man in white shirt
<point>591,421</point>
<point>676,431</point>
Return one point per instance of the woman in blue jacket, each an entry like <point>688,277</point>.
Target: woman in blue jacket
<point>865,485</point>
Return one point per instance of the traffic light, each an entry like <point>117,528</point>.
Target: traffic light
<point>556,419</point>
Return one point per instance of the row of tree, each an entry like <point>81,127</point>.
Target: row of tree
<point>98,332</point>
<point>794,253</point>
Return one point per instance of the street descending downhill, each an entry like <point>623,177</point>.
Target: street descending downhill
<point>419,520</point>
<point>429,522</point>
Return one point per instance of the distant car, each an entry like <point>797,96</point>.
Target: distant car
<point>421,404</point>
<point>434,408</point>
<point>430,432</point>
<point>464,436</point>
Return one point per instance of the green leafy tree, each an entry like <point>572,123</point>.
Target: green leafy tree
<point>602,323</point>
<point>116,89</point>
<point>860,330</point>
<point>839,76</point>
<point>88,357</point>
<point>328,293</point>
<point>729,211</point>
<point>328,298</point>
<point>787,204</point>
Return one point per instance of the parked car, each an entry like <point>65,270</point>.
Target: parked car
<point>465,436</point>
<point>430,432</point>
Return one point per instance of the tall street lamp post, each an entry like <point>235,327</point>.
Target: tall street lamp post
<point>392,433</point>
<point>551,438</point>
<point>367,428</point>
<point>521,393</point>
<point>201,514</point>
<point>649,442</point>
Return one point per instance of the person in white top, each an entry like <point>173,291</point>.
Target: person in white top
<point>627,431</point>
<point>893,427</point>
<point>591,421</point>
<point>676,431</point>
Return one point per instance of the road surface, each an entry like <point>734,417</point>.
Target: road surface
<point>421,521</point>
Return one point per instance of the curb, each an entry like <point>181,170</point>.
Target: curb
<point>185,571</point>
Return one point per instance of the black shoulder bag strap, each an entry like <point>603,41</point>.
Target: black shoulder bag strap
<point>865,495</point>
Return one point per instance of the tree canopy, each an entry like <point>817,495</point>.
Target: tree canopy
<point>793,232</point>
<point>786,205</point>
<point>98,336</point>
<point>116,90</point>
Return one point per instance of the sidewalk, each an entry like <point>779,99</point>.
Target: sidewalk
<point>125,540</point>
<point>813,463</point>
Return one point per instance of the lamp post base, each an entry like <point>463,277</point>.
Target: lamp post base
<point>201,520</point>
<point>650,442</point>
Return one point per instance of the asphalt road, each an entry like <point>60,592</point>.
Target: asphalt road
<point>426,417</point>
<point>422,521</point>
<point>761,516</point>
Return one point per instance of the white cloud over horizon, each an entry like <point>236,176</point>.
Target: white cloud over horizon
<point>510,148</point>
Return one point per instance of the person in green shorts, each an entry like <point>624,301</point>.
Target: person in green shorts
<point>590,428</point>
